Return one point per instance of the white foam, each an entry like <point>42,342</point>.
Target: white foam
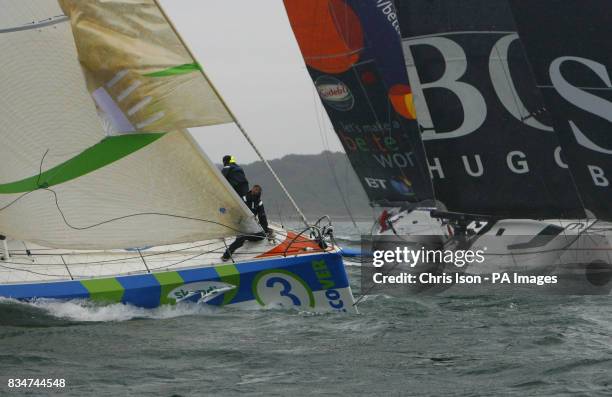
<point>81,310</point>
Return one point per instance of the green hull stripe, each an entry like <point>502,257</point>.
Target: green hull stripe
<point>105,290</point>
<point>106,152</point>
<point>182,69</point>
<point>229,274</point>
<point>168,282</point>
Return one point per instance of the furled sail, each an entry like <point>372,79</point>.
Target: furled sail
<point>353,54</point>
<point>65,181</point>
<point>489,139</point>
<point>568,44</point>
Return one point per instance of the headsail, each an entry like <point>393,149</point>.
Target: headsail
<point>489,139</point>
<point>64,182</point>
<point>136,68</point>
<point>571,55</point>
<point>353,54</point>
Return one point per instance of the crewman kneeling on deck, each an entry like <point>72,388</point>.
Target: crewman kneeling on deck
<point>253,201</point>
<point>235,175</point>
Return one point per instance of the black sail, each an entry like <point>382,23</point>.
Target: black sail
<point>569,45</point>
<point>489,140</point>
<point>353,54</point>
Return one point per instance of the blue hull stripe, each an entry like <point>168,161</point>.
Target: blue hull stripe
<point>143,290</point>
<point>195,275</point>
<point>56,290</point>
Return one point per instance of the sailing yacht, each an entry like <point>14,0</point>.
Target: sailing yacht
<point>458,94</point>
<point>104,194</point>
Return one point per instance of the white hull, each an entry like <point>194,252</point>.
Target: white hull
<point>579,250</point>
<point>48,264</point>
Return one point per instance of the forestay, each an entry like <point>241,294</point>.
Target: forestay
<point>72,174</point>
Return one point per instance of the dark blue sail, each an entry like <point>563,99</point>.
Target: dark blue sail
<point>353,54</point>
<point>490,142</point>
<point>569,44</point>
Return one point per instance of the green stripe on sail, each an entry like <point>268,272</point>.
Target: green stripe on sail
<point>104,153</point>
<point>182,69</point>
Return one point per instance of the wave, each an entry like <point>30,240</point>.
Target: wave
<point>42,310</point>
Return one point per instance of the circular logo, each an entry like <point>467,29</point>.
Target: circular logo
<point>283,288</point>
<point>335,93</point>
<point>402,185</point>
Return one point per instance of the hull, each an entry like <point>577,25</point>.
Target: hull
<point>577,252</point>
<point>417,222</point>
<point>316,283</point>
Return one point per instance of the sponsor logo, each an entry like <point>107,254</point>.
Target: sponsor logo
<point>283,288</point>
<point>388,10</point>
<point>475,109</point>
<point>200,291</point>
<point>335,93</point>
<point>376,183</point>
<point>324,275</point>
<point>402,185</point>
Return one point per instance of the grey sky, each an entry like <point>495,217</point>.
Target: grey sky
<point>249,52</point>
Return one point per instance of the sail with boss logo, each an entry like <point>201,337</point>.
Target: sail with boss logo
<point>571,56</point>
<point>490,141</point>
<point>497,159</point>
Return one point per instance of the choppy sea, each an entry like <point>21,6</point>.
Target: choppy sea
<point>421,346</point>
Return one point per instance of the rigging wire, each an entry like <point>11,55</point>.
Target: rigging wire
<point>165,266</point>
<point>44,187</point>
<point>323,132</point>
<point>234,118</point>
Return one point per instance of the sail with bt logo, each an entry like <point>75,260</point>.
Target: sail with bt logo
<point>352,52</point>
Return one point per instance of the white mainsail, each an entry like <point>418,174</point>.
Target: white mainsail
<point>63,181</point>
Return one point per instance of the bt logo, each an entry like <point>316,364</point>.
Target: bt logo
<point>375,183</point>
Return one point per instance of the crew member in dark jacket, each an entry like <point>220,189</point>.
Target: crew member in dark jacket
<point>253,201</point>
<point>235,175</point>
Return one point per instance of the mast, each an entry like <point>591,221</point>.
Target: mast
<point>236,121</point>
